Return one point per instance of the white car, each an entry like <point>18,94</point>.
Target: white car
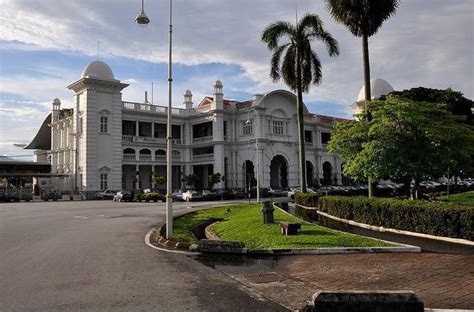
<point>191,195</point>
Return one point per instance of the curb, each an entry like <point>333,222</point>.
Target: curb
<point>390,230</point>
<point>181,252</point>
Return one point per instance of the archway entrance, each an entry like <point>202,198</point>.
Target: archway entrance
<point>309,174</point>
<point>279,172</point>
<point>327,173</point>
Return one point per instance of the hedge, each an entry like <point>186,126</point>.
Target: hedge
<point>435,218</point>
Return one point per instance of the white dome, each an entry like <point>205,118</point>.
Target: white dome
<point>98,69</point>
<point>378,87</point>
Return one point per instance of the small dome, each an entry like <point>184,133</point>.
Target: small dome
<point>98,69</point>
<point>57,101</point>
<point>219,83</point>
<point>188,92</point>
<point>378,88</point>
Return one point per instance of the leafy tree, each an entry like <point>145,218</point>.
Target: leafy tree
<point>159,180</point>
<point>297,63</point>
<point>193,180</point>
<point>363,18</point>
<point>404,140</point>
<point>453,101</point>
<point>214,179</point>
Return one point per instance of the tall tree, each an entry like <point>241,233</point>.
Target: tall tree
<point>404,140</point>
<point>298,64</point>
<point>363,18</point>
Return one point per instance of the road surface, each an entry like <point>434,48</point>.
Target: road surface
<point>91,256</point>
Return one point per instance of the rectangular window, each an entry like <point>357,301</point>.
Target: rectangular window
<point>103,181</point>
<point>103,124</point>
<point>247,128</point>
<point>308,136</point>
<point>203,151</point>
<point>325,137</point>
<point>278,128</point>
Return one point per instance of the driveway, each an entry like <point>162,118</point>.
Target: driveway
<point>91,256</point>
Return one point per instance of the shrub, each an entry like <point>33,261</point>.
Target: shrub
<point>435,218</point>
<point>307,199</point>
<point>154,196</point>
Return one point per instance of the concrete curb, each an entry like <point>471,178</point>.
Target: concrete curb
<point>390,230</point>
<point>181,252</point>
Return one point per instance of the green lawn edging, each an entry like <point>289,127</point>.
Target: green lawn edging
<point>244,223</point>
<point>433,218</point>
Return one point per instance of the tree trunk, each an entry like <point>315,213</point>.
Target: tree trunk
<point>299,109</point>
<point>368,96</point>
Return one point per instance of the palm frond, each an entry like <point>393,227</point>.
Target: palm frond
<point>288,68</point>
<point>275,72</point>
<point>273,33</point>
<point>316,67</point>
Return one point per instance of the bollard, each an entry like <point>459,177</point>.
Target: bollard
<point>267,211</point>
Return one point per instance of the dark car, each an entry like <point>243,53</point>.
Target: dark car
<point>123,196</point>
<point>225,194</point>
<point>210,195</point>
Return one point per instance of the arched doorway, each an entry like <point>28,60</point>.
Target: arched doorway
<point>309,174</point>
<point>279,172</point>
<point>249,175</point>
<point>327,173</point>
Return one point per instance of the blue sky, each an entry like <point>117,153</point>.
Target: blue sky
<point>44,45</point>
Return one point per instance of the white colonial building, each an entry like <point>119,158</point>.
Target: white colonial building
<point>103,142</point>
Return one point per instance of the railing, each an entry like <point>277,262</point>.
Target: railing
<point>145,157</point>
<point>152,108</point>
<point>147,140</point>
<point>129,157</point>
<point>203,157</point>
<point>205,139</point>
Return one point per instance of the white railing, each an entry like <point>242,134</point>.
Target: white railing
<point>152,108</point>
<point>129,157</point>
<point>205,139</point>
<point>145,157</point>
<point>147,140</point>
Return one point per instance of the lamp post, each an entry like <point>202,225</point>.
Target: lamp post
<point>143,20</point>
<point>257,125</point>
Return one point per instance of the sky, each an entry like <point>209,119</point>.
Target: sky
<point>45,44</point>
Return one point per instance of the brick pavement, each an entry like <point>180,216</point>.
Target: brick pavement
<point>442,281</point>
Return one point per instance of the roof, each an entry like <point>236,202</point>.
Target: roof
<point>42,140</point>
<point>99,70</point>
<point>378,88</point>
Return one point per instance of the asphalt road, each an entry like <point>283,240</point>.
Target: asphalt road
<point>91,256</point>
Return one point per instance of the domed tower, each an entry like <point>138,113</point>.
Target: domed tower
<point>98,129</point>
<point>378,88</point>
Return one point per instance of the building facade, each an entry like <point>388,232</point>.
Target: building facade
<point>103,142</point>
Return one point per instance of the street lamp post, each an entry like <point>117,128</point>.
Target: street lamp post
<point>143,20</point>
<point>257,125</point>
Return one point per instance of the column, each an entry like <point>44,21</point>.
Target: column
<point>137,177</point>
<point>137,128</point>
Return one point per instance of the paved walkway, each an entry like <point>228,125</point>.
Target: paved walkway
<point>442,281</point>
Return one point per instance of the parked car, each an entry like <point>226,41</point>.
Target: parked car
<point>191,196</point>
<point>210,195</point>
<point>154,196</point>
<point>177,195</point>
<point>122,196</point>
<point>107,194</point>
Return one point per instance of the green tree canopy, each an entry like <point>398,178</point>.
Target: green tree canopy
<point>404,140</point>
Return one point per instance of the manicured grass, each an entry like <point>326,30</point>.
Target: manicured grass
<point>245,224</point>
<point>466,198</point>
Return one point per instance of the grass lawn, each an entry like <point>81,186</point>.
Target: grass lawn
<point>245,224</point>
<point>466,198</point>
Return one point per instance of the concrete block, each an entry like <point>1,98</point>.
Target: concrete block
<point>36,199</point>
<point>76,197</point>
<point>65,197</point>
<point>367,301</point>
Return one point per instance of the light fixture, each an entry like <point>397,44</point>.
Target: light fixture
<point>142,20</point>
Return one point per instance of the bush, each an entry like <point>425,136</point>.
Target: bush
<point>435,218</point>
<point>307,199</point>
<point>153,196</point>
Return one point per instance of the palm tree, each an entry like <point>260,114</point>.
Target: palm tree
<point>363,18</point>
<point>300,66</point>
